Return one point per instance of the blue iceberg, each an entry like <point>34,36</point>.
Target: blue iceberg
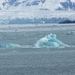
<point>49,41</point>
<point>9,45</point>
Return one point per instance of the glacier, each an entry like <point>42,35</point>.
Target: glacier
<point>27,17</point>
<point>49,41</point>
<point>9,45</point>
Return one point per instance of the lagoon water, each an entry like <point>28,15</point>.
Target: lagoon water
<point>25,60</point>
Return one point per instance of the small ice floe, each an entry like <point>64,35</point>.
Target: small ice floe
<point>26,46</point>
<point>9,45</point>
<point>71,33</point>
<point>49,41</point>
<point>0,37</point>
<point>15,51</point>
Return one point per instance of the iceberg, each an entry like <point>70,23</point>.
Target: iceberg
<point>49,41</point>
<point>9,45</point>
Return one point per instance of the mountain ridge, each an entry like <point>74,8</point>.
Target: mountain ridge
<point>37,4</point>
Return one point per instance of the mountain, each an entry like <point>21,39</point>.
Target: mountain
<point>67,5</point>
<point>37,4</point>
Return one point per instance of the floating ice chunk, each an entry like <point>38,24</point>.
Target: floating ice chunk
<point>71,33</point>
<point>49,41</point>
<point>9,45</point>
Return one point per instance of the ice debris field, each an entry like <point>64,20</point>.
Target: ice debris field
<point>49,41</point>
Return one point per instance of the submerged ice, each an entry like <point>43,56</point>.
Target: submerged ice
<point>49,41</point>
<point>8,45</point>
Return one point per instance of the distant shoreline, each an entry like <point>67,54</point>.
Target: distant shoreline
<point>66,22</point>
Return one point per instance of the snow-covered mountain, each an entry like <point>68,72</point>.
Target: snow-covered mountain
<point>67,5</point>
<point>37,4</point>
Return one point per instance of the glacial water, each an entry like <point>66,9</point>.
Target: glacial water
<point>25,60</point>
